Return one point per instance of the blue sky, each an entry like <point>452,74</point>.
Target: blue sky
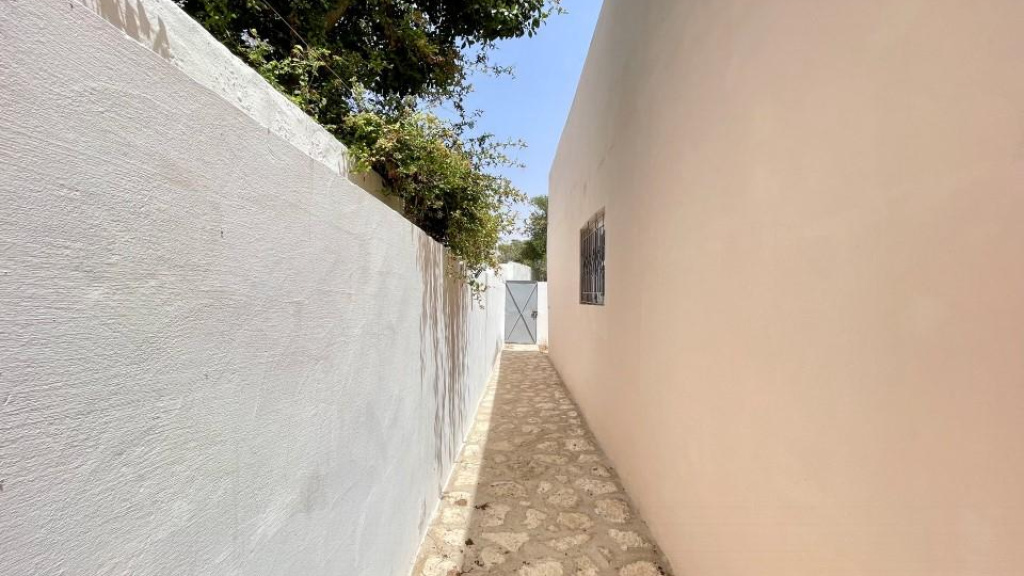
<point>533,105</point>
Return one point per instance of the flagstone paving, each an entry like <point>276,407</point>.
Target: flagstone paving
<point>532,494</point>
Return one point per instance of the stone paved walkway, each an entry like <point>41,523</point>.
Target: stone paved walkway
<point>532,494</point>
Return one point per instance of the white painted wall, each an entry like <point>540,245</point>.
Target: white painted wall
<point>810,360</point>
<point>173,35</point>
<point>542,315</point>
<point>516,271</point>
<point>218,356</point>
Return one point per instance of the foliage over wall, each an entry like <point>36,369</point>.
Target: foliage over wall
<point>533,251</point>
<point>370,71</point>
<point>443,182</point>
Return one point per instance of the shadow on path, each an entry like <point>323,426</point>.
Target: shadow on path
<point>532,494</point>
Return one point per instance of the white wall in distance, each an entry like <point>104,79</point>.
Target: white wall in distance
<point>542,315</point>
<point>218,356</point>
<point>516,271</point>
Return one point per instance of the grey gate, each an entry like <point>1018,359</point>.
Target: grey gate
<point>520,312</point>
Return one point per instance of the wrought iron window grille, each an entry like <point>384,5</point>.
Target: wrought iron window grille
<point>592,261</point>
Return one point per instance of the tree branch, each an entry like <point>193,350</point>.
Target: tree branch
<point>336,13</point>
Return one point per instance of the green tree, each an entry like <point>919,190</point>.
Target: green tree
<point>535,248</point>
<point>510,251</point>
<point>367,69</point>
<point>394,48</point>
<point>444,184</point>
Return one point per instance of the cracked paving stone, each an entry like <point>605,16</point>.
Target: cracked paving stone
<point>615,511</point>
<point>568,542</point>
<point>627,539</point>
<point>564,498</point>
<point>439,566</point>
<point>596,487</point>
<point>552,459</point>
<point>511,541</point>
<point>642,568</point>
<point>455,516</point>
<point>578,445</point>
<point>494,515</point>
<point>453,537</point>
<point>543,568</point>
<point>534,518</point>
<point>508,489</point>
<point>491,556</point>
<point>585,567</point>
<point>575,520</point>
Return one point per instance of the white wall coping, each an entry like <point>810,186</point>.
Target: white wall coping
<point>516,272</point>
<point>170,32</point>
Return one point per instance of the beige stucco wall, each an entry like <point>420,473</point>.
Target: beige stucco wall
<point>811,360</point>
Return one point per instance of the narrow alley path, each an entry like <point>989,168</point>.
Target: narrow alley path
<point>532,494</point>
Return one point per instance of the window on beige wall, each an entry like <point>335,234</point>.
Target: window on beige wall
<point>592,261</point>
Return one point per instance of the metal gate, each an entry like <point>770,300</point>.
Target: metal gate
<point>520,312</point>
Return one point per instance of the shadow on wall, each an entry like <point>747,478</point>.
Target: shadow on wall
<point>131,18</point>
<point>443,342</point>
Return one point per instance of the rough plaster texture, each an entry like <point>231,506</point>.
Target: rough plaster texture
<point>810,357</point>
<point>172,34</point>
<point>217,355</point>
<point>532,494</point>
